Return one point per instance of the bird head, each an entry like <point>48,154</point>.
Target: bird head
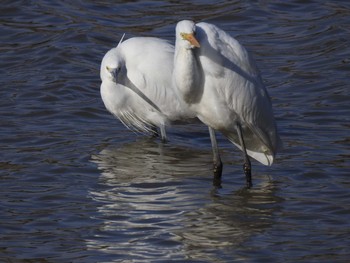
<point>185,34</point>
<point>112,65</point>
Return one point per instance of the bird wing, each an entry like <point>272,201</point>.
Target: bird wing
<point>130,110</point>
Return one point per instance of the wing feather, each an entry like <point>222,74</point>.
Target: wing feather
<point>238,83</point>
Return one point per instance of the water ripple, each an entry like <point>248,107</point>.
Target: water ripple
<point>77,186</point>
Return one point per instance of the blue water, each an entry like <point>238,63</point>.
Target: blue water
<point>77,186</point>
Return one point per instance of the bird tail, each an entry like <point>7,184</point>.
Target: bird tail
<point>255,148</point>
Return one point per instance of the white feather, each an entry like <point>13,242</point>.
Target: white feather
<point>137,84</point>
<point>224,88</point>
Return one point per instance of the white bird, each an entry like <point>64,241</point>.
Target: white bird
<point>137,85</point>
<point>220,82</point>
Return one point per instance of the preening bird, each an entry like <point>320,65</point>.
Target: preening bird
<point>218,79</point>
<point>137,85</point>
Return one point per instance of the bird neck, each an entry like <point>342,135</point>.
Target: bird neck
<point>187,75</point>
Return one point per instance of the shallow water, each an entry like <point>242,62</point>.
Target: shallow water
<point>77,186</point>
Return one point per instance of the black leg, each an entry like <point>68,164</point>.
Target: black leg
<point>216,158</point>
<point>247,168</point>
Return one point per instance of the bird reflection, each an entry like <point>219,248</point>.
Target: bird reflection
<point>229,222</point>
<point>151,195</point>
<point>147,161</point>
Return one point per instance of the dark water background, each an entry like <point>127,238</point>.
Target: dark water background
<point>76,186</point>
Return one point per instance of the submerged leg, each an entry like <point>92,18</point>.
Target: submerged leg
<point>247,168</point>
<point>216,157</point>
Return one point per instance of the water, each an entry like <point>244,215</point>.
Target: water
<point>76,186</point>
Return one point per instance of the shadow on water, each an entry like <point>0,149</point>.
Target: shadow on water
<point>157,200</point>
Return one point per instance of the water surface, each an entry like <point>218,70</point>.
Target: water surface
<point>77,186</point>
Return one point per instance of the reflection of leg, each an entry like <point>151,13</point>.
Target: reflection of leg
<point>246,166</point>
<point>216,155</point>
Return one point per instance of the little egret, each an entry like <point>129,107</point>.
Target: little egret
<point>137,85</point>
<point>220,82</point>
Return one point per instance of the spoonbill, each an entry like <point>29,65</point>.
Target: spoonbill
<point>137,85</point>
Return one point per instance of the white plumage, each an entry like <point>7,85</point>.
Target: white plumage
<point>137,85</point>
<point>220,82</point>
